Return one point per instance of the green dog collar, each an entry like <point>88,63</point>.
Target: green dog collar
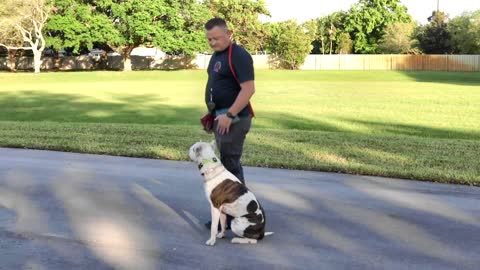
<point>206,161</point>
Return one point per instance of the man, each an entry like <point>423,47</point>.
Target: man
<point>228,95</point>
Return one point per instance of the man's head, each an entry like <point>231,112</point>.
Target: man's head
<point>217,33</point>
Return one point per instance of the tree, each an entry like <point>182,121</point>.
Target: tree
<point>398,38</point>
<point>367,20</point>
<point>332,33</point>
<point>321,36</point>
<point>22,27</point>
<point>10,38</point>
<point>75,25</point>
<point>465,33</point>
<point>290,42</point>
<point>345,44</point>
<point>435,38</point>
<point>310,28</point>
<point>174,26</point>
<point>242,17</point>
<point>329,29</point>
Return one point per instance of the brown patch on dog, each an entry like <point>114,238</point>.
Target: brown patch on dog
<point>227,192</point>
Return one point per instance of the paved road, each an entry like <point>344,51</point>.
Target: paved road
<point>76,211</point>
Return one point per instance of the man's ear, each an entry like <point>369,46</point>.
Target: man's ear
<point>214,145</point>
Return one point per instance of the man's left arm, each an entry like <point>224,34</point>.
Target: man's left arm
<point>246,92</point>
<point>243,64</point>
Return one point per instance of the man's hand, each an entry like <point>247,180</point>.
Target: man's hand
<point>224,123</point>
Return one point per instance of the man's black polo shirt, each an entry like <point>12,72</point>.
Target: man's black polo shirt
<point>222,86</point>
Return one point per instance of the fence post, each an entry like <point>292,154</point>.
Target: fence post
<point>391,61</point>
<point>478,64</point>
<point>339,59</point>
<point>448,62</point>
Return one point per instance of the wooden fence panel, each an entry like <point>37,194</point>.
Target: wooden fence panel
<point>352,62</point>
<point>393,62</point>
<point>407,62</point>
<point>464,62</point>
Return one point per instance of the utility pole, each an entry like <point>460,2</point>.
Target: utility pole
<point>435,14</point>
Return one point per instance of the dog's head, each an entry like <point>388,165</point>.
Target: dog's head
<point>201,151</point>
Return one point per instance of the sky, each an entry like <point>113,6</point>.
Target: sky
<point>303,10</point>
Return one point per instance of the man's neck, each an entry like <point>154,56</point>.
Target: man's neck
<point>224,49</point>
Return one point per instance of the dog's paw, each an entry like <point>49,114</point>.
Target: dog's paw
<point>220,235</point>
<point>210,242</point>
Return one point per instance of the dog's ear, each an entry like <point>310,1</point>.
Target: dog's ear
<point>214,145</point>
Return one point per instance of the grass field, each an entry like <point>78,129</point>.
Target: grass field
<point>417,125</point>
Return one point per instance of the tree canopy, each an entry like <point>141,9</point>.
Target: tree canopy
<point>367,20</point>
<point>173,26</point>
<point>243,19</point>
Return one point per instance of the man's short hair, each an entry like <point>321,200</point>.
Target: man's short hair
<point>215,22</point>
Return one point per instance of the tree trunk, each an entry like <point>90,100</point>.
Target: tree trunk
<point>37,60</point>
<point>103,61</point>
<point>12,60</point>
<point>127,63</point>
<point>127,60</point>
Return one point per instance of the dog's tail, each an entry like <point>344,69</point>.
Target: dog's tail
<point>268,233</point>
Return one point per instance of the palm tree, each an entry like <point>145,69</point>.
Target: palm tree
<point>331,33</point>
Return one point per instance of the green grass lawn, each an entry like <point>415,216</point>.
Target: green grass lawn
<point>417,125</point>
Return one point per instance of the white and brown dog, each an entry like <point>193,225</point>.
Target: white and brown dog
<point>227,195</point>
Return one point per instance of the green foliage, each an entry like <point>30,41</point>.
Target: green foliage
<point>367,20</point>
<point>76,25</point>
<point>328,31</point>
<point>344,44</point>
<point>465,33</point>
<point>173,26</point>
<point>242,17</point>
<point>398,38</point>
<point>435,38</point>
<point>290,42</point>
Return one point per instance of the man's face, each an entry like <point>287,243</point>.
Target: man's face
<point>218,38</point>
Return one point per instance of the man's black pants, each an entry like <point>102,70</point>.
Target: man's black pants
<point>230,146</point>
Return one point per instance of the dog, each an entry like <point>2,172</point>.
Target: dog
<point>228,195</point>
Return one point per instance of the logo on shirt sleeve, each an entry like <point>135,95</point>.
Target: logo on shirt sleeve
<point>218,66</point>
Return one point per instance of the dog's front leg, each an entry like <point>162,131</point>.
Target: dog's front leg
<point>214,226</point>
<point>223,225</point>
